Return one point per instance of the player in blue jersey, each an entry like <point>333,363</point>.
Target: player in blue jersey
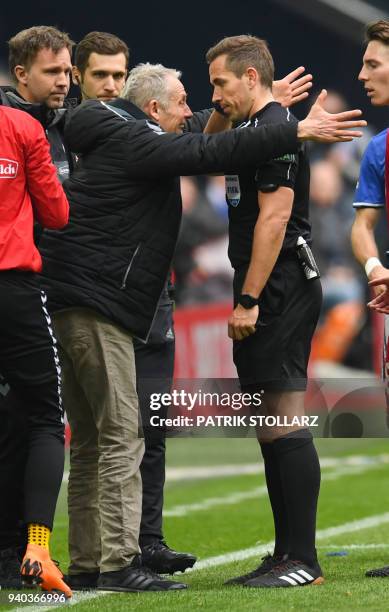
<point>370,193</point>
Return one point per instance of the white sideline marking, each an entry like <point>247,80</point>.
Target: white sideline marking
<point>353,546</point>
<point>240,555</point>
<point>321,534</point>
<point>356,465</point>
<point>346,465</point>
<point>219,471</point>
<point>213,502</point>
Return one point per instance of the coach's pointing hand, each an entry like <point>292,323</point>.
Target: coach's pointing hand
<point>241,323</point>
<point>322,126</point>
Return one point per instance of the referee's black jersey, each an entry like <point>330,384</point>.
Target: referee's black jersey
<point>291,170</point>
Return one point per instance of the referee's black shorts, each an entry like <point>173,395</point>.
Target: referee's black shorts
<point>276,355</point>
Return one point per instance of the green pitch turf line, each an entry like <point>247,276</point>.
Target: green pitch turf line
<point>237,555</point>
<point>333,469</point>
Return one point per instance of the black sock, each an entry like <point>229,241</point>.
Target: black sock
<point>147,539</point>
<point>300,476</point>
<point>276,496</point>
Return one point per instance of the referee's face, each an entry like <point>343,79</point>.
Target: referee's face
<point>233,94</point>
<point>375,73</point>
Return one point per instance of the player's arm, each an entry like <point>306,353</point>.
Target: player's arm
<point>363,240</point>
<point>369,201</point>
<point>365,251</point>
<point>269,234</point>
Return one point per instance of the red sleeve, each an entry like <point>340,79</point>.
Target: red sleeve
<point>48,198</point>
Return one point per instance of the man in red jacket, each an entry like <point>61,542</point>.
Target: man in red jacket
<point>29,189</point>
<point>40,66</point>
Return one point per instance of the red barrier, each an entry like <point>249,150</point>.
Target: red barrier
<point>378,321</point>
<point>203,348</point>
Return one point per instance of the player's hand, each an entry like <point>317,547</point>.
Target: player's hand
<point>380,284</point>
<point>322,126</point>
<point>379,279</point>
<point>293,87</point>
<point>241,323</point>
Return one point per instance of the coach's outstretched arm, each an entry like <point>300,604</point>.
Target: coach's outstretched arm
<point>321,126</point>
<point>150,153</point>
<point>238,149</point>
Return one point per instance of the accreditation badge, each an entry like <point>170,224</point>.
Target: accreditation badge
<point>232,189</point>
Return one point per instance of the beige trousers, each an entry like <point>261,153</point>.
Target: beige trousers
<point>99,394</point>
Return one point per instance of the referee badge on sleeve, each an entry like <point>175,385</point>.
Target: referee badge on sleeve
<point>232,189</point>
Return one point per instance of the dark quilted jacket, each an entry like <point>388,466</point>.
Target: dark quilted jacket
<point>125,206</point>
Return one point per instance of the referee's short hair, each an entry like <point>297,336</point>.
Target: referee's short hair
<point>149,82</point>
<point>378,30</point>
<point>242,52</point>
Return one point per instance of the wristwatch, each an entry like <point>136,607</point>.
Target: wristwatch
<point>247,301</point>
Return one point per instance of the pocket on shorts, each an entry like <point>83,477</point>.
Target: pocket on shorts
<point>273,297</point>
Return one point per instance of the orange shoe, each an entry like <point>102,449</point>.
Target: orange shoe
<point>39,569</point>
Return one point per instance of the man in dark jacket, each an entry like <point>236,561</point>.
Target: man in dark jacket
<point>40,63</point>
<point>100,70</point>
<point>105,274</point>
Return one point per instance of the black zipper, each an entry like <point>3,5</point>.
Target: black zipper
<point>124,281</point>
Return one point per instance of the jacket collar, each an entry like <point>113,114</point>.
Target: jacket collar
<point>129,108</point>
<point>46,116</point>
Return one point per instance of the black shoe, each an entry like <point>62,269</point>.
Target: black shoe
<point>10,577</point>
<point>82,582</point>
<point>268,562</point>
<point>379,572</point>
<point>161,559</point>
<point>134,578</point>
<point>289,573</point>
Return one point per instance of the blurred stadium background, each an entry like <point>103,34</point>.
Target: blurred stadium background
<point>326,37</point>
<point>221,508</point>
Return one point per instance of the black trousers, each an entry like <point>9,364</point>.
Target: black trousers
<point>31,415</point>
<point>154,372</point>
<point>13,456</point>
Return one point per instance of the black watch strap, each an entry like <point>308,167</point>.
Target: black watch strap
<point>247,301</point>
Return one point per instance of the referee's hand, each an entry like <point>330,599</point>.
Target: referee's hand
<point>241,323</point>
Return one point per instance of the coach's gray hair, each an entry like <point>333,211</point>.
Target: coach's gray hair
<point>148,82</point>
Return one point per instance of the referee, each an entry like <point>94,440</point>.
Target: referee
<point>276,307</point>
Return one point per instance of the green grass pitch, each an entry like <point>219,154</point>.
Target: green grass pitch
<point>222,514</point>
